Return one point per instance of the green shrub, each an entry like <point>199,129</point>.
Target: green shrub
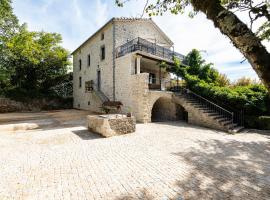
<point>264,122</point>
<point>259,122</point>
<point>251,97</point>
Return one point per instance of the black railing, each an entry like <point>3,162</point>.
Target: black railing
<point>212,106</point>
<point>100,94</point>
<point>139,44</point>
<point>238,116</point>
<point>234,117</point>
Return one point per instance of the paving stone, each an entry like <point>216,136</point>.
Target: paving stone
<point>159,161</point>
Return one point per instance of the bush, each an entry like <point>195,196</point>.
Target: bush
<point>259,122</point>
<point>252,98</point>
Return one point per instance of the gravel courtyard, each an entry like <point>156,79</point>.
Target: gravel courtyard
<point>159,161</point>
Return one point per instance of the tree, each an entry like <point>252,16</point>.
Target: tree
<point>36,60</point>
<point>220,13</point>
<point>223,80</point>
<point>31,63</point>
<point>245,81</point>
<point>8,27</point>
<point>195,65</point>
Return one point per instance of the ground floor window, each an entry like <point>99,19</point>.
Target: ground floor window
<point>88,86</point>
<point>80,82</point>
<point>152,78</point>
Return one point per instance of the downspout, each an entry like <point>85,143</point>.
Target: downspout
<point>113,60</point>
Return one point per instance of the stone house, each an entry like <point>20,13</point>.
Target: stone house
<point>121,62</point>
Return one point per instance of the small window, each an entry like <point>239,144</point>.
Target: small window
<point>102,36</point>
<point>80,82</point>
<point>152,78</point>
<point>88,60</point>
<point>88,86</point>
<point>80,64</point>
<point>88,103</point>
<point>102,52</point>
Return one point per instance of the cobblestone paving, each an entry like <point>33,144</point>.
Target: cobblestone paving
<point>159,161</point>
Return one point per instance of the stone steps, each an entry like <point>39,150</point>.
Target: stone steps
<point>205,116</point>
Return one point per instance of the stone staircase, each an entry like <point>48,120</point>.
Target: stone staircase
<point>208,114</point>
<point>106,102</point>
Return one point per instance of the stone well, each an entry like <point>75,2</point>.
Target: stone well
<point>111,125</point>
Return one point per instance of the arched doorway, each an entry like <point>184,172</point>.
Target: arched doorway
<point>166,110</point>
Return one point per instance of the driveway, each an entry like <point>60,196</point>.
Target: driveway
<point>158,161</point>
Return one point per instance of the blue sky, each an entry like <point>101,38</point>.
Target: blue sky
<point>76,20</point>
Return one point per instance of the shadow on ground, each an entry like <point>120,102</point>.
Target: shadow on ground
<point>87,135</point>
<point>223,170</point>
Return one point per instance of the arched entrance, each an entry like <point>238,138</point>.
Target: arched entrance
<point>166,110</point>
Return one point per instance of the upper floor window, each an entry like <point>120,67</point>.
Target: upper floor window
<point>88,60</point>
<point>80,64</point>
<point>102,36</point>
<point>102,52</point>
<point>80,82</point>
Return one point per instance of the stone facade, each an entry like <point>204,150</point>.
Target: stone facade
<point>87,100</point>
<point>128,83</point>
<point>129,78</point>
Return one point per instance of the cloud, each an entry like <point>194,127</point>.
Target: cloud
<point>76,20</point>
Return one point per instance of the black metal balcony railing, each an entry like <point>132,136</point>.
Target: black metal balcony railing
<point>139,44</point>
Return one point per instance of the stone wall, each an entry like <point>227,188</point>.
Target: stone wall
<point>166,110</point>
<point>82,99</point>
<point>126,30</point>
<point>111,125</point>
<point>8,105</point>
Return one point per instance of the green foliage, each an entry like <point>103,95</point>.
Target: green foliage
<point>195,65</point>
<point>8,27</point>
<point>223,80</point>
<point>251,96</point>
<point>245,81</point>
<point>31,62</point>
<point>264,31</point>
<point>259,122</point>
<point>255,10</point>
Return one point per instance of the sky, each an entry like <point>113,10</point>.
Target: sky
<point>76,20</point>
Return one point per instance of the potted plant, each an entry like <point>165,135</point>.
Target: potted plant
<point>129,112</point>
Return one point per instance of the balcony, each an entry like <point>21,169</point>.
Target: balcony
<point>139,44</point>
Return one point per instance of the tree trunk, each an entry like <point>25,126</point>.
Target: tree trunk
<point>240,35</point>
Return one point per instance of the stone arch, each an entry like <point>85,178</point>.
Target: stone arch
<point>164,109</point>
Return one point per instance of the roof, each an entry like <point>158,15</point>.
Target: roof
<point>125,19</point>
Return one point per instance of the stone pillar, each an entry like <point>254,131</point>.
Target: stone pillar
<point>138,64</point>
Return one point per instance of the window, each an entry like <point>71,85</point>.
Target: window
<point>102,52</point>
<point>88,60</point>
<point>80,64</point>
<point>102,36</point>
<point>88,86</point>
<point>80,82</point>
<point>152,78</point>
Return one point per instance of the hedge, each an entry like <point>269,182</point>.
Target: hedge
<point>259,122</point>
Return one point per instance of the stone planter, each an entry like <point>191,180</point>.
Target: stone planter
<point>111,125</point>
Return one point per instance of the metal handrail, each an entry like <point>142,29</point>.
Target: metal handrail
<point>101,95</point>
<point>140,44</point>
<point>230,116</point>
<point>209,102</point>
